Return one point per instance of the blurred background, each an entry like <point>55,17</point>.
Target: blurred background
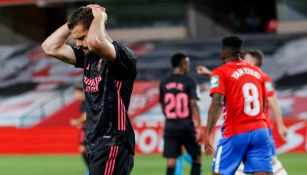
<point>37,99</point>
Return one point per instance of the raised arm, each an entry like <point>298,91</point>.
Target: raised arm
<point>55,45</point>
<point>98,40</point>
<point>215,110</point>
<point>202,70</point>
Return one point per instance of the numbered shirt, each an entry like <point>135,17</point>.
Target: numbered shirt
<point>243,88</point>
<point>269,91</point>
<point>108,87</point>
<point>176,92</point>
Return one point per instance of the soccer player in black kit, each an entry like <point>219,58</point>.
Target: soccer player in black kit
<point>80,121</point>
<point>109,72</point>
<point>178,99</point>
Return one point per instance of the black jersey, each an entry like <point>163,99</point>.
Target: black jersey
<point>176,92</point>
<point>82,107</point>
<point>108,87</point>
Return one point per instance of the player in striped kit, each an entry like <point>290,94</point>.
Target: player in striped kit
<point>109,73</point>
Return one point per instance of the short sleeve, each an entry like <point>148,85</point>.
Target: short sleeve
<point>161,92</point>
<point>79,57</point>
<point>217,82</point>
<point>269,88</point>
<point>124,65</point>
<point>192,90</point>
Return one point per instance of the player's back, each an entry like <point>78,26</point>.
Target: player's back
<point>243,88</point>
<point>176,92</point>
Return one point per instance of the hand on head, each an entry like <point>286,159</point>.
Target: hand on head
<point>98,11</point>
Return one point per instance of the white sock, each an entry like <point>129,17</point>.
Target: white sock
<point>278,169</point>
<point>240,170</point>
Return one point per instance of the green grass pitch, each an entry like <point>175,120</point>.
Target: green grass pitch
<point>296,164</point>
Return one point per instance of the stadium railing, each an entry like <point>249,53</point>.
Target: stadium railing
<point>49,106</point>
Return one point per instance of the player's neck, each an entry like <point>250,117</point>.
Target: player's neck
<point>230,59</point>
<point>177,71</point>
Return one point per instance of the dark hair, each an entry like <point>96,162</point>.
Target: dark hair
<point>258,55</point>
<point>176,59</point>
<point>232,44</point>
<point>82,16</point>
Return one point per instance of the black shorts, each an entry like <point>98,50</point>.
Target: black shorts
<point>173,145</point>
<point>116,160</point>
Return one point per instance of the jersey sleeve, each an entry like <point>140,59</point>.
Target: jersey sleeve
<point>217,82</point>
<point>124,65</point>
<point>192,90</point>
<point>269,88</point>
<point>79,57</point>
<point>161,93</point>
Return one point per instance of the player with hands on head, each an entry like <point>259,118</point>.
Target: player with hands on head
<point>109,71</point>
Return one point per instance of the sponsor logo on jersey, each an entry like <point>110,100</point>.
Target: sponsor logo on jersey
<point>91,84</point>
<point>268,86</point>
<point>214,81</point>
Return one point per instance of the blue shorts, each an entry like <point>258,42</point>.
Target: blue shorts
<point>272,142</point>
<point>252,148</point>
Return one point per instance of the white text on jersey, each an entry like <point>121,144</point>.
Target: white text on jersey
<point>242,71</point>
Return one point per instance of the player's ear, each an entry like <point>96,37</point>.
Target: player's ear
<point>182,65</point>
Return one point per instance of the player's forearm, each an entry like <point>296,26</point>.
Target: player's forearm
<point>276,110</point>
<point>214,113</point>
<point>107,36</point>
<point>208,73</point>
<point>204,71</point>
<point>98,41</point>
<point>97,30</point>
<point>213,116</point>
<point>56,40</point>
<point>196,114</point>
